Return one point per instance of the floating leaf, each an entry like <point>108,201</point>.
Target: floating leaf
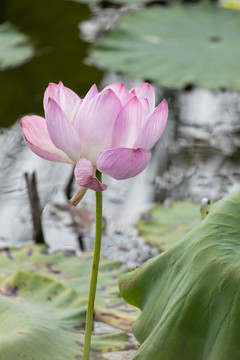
<point>190,294</point>
<point>41,320</point>
<point>74,272</point>
<point>164,226</point>
<point>176,46</point>
<point>14,47</point>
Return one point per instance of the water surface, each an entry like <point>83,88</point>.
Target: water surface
<point>52,27</point>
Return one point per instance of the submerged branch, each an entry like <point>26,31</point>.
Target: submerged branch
<point>35,207</point>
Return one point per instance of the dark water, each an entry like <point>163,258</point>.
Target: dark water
<point>52,26</point>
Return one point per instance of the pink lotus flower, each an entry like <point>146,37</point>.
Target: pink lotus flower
<point>112,130</point>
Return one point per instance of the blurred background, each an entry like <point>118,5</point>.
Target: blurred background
<point>189,52</point>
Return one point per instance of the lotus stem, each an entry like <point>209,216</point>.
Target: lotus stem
<point>94,273</point>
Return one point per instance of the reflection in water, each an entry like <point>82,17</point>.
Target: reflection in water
<point>15,160</point>
<point>120,205</point>
<point>203,158</point>
<point>197,156</point>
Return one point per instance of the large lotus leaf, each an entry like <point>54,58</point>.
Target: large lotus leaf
<point>190,294</point>
<point>73,271</point>
<point>176,45</point>
<point>231,4</point>
<point>41,319</point>
<point>14,47</point>
<point>164,226</point>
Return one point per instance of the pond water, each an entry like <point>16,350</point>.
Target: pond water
<point>198,155</point>
<point>59,55</point>
<point>52,26</point>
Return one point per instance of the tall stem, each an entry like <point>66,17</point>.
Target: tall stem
<point>94,273</point>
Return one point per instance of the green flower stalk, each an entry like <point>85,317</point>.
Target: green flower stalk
<point>110,132</point>
<point>94,273</point>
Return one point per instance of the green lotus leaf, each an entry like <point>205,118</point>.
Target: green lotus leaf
<point>175,46</point>
<point>231,4</point>
<point>190,294</point>
<point>74,272</point>
<point>14,47</point>
<point>164,226</point>
<point>43,320</point>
